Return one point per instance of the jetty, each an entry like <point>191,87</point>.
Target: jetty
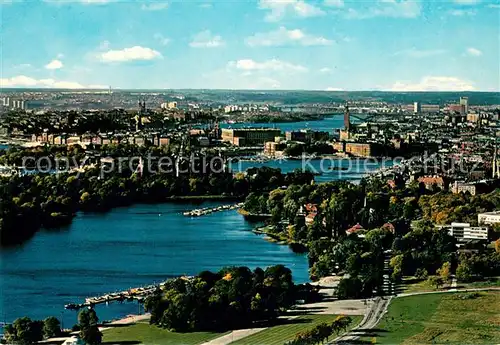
<point>208,210</point>
<point>134,294</point>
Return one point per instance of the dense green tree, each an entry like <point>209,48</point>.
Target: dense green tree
<point>463,272</point>
<point>88,323</point>
<point>24,331</point>
<point>51,327</point>
<point>233,297</point>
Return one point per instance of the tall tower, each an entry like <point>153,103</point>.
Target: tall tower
<point>347,118</point>
<point>464,105</point>
<point>495,173</point>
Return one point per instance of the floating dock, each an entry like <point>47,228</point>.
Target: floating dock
<point>208,210</point>
<point>134,294</point>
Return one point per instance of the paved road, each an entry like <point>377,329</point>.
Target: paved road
<point>447,291</point>
<point>371,319</point>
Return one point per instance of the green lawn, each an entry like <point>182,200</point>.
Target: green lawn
<point>278,335</point>
<point>441,319</point>
<point>410,284</point>
<point>490,282</point>
<point>143,333</point>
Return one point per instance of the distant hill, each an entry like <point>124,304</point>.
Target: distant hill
<point>299,96</point>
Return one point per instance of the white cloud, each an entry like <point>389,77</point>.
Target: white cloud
<point>419,53</point>
<point>269,65</point>
<point>334,89</point>
<point>474,52</point>
<point>334,3</point>
<point>163,40</point>
<point>136,53</point>
<point>325,70</point>
<point>205,39</point>
<point>24,81</point>
<point>154,6</point>
<point>256,75</point>
<point>435,83</point>
<point>282,36</point>
<point>461,13</point>
<point>388,8</point>
<point>54,64</point>
<point>278,9</point>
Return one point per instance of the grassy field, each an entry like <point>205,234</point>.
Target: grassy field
<point>441,319</point>
<point>491,282</point>
<point>410,284</point>
<point>280,334</point>
<point>143,333</point>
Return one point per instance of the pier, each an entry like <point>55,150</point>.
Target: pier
<point>134,294</point>
<point>208,210</point>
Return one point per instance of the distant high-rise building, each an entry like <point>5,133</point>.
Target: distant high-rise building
<point>495,165</point>
<point>417,109</point>
<point>464,105</point>
<point>347,118</point>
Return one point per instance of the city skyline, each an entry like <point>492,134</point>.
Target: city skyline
<point>332,45</point>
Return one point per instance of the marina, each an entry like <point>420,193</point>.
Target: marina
<point>208,210</point>
<point>134,294</point>
<point>107,254</point>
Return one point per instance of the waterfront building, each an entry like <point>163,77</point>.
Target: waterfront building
<point>249,136</point>
<point>339,146</point>
<point>345,135</point>
<point>363,149</point>
<point>306,135</point>
<point>273,148</point>
<point>358,149</point>
<point>298,136</point>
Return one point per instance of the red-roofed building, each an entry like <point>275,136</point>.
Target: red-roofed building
<point>354,229</point>
<point>430,181</point>
<point>311,212</point>
<point>388,227</point>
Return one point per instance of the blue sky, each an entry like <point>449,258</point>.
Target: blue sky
<point>264,44</point>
